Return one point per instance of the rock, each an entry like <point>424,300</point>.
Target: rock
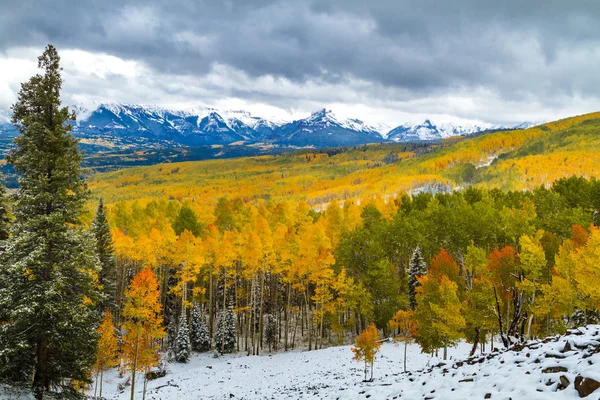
<point>487,396</point>
<point>555,369</point>
<point>585,386</point>
<point>564,383</point>
<point>567,347</point>
<point>151,375</point>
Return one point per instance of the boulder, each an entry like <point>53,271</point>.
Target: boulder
<point>564,383</point>
<point>585,386</point>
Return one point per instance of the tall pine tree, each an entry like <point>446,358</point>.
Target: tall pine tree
<point>48,293</point>
<point>4,214</point>
<point>225,335</point>
<point>107,278</point>
<point>199,331</point>
<point>416,268</point>
<point>183,347</point>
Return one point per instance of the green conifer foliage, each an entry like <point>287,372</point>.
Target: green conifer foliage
<point>48,292</point>
<point>225,335</point>
<point>183,347</point>
<point>107,278</point>
<point>186,219</point>
<point>199,331</point>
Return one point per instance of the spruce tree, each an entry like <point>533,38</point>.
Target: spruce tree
<point>416,268</point>
<point>107,278</point>
<point>4,214</point>
<point>48,293</point>
<point>271,333</point>
<point>186,219</point>
<point>225,335</point>
<point>199,333</point>
<point>171,335</point>
<point>183,347</point>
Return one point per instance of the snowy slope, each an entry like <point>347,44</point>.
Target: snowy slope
<point>205,125</point>
<point>324,129</point>
<point>331,373</point>
<point>429,130</point>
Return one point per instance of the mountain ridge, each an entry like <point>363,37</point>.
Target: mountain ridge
<point>206,125</point>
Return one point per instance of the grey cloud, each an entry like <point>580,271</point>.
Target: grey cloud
<point>411,49</point>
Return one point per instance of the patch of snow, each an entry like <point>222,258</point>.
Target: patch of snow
<point>331,373</point>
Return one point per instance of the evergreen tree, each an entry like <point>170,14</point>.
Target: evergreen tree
<point>171,335</point>
<point>225,335</point>
<point>183,347</point>
<point>271,333</point>
<point>48,293</point>
<point>199,332</point>
<point>186,219</point>
<point>4,214</point>
<point>416,268</point>
<point>107,278</point>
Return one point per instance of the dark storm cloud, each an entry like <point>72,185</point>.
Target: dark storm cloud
<point>517,49</point>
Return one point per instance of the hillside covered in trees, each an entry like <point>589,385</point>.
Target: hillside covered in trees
<point>481,239</point>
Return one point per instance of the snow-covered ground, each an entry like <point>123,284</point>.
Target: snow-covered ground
<point>327,373</point>
<point>332,374</point>
<point>536,371</point>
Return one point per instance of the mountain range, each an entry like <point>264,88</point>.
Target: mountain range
<point>209,126</point>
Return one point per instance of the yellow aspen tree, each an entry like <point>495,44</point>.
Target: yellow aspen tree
<point>533,262</point>
<point>143,325</point>
<point>366,347</point>
<point>404,326</point>
<point>108,349</point>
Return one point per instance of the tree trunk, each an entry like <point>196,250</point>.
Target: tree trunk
<point>40,380</point>
<point>248,314</point>
<point>101,377</point>
<point>144,390</point>
<point>529,326</point>
<point>135,356</point>
<point>286,315</point>
<point>499,314</point>
<point>260,322</point>
<point>210,302</point>
<point>475,342</point>
<point>96,385</point>
<point>224,311</point>
<point>405,349</point>
<point>308,321</point>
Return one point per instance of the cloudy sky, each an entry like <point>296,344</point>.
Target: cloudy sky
<point>391,61</point>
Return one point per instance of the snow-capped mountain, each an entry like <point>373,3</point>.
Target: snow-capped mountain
<point>208,126</point>
<point>204,125</point>
<point>430,131</point>
<point>324,129</point>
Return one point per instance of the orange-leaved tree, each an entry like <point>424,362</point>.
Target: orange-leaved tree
<point>405,327</point>
<point>143,324</point>
<point>365,348</point>
<point>108,348</point>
